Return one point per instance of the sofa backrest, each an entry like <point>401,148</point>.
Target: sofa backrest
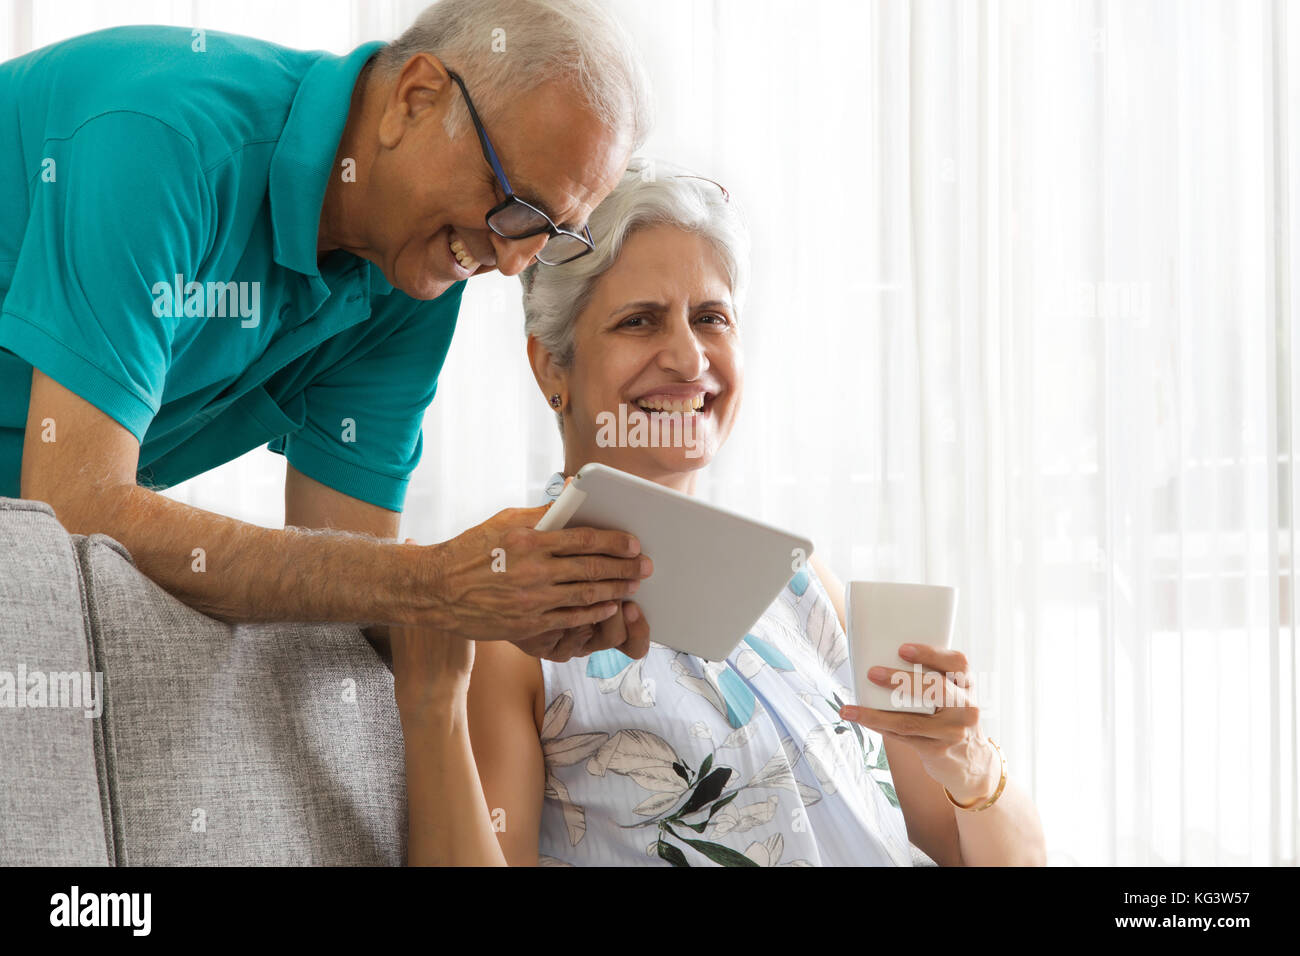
<point>51,809</point>
<point>223,744</point>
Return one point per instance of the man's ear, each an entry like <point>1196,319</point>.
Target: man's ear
<point>422,91</point>
<point>551,378</point>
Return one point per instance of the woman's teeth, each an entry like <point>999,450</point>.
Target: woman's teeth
<point>683,405</point>
<point>462,254</point>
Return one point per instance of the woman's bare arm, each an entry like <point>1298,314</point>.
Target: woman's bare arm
<point>505,717</point>
<point>449,823</point>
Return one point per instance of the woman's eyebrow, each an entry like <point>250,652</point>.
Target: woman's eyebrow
<point>647,304</point>
<point>650,305</point>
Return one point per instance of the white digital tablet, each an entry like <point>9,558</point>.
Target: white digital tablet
<point>715,572</point>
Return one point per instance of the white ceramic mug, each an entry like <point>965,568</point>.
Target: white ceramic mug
<point>884,614</point>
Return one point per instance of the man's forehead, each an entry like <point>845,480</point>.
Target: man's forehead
<point>560,157</point>
<point>563,194</point>
<point>567,203</point>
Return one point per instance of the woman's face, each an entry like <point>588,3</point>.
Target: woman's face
<point>659,332</point>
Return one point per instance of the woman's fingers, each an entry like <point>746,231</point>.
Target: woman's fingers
<point>947,742</point>
<point>943,659</point>
<point>627,631</point>
<point>571,643</point>
<point>637,628</point>
<point>543,645</point>
<point>894,722</point>
<point>927,687</point>
<point>944,725</point>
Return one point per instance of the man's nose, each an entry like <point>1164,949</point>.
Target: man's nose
<point>514,255</point>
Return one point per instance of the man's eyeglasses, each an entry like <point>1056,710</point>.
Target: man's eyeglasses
<point>516,219</point>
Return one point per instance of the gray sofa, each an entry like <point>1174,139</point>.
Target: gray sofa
<point>217,744</point>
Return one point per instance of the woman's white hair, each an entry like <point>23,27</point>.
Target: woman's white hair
<point>503,48</point>
<point>650,194</point>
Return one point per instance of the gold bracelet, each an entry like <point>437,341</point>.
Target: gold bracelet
<point>996,793</point>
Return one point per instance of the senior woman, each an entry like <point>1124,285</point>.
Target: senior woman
<point>671,759</point>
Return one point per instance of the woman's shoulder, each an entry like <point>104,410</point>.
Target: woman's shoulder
<point>828,584</point>
<point>813,588</point>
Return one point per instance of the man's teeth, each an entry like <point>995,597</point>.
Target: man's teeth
<point>462,255</point>
<point>672,405</point>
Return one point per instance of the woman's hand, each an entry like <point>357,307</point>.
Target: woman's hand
<point>948,742</point>
<point>430,667</point>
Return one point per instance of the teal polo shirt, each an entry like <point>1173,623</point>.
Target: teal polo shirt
<point>159,204</point>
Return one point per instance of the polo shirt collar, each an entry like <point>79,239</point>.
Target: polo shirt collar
<point>303,160</point>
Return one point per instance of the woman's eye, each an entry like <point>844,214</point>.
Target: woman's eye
<point>626,323</point>
<point>717,317</point>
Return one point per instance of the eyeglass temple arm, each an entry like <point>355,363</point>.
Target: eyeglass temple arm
<point>489,153</point>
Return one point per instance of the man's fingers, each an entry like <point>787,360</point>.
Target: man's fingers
<point>596,592</point>
<point>569,541</point>
<point>564,618</point>
<point>597,567</point>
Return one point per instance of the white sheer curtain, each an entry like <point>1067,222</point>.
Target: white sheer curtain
<point>1023,321</point>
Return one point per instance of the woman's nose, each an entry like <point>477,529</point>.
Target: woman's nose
<point>514,255</point>
<point>683,352</point>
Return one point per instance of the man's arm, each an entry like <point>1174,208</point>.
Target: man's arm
<point>87,474</point>
<point>309,504</point>
<point>561,580</point>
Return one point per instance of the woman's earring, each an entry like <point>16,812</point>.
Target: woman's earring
<point>555,401</point>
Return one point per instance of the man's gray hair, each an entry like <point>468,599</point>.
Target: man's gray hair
<point>503,48</point>
<point>649,194</point>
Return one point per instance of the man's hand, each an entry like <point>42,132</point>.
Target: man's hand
<point>549,592</point>
<point>554,581</point>
<point>629,632</point>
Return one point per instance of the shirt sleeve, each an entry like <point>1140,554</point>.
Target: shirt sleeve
<point>362,434</point>
<point>121,216</point>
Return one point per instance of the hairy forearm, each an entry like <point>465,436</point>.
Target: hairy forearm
<point>1009,833</point>
<point>236,571</point>
<point>449,822</point>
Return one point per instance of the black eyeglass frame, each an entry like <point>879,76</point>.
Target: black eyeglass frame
<point>513,201</point>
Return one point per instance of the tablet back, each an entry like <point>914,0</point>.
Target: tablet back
<point>715,572</point>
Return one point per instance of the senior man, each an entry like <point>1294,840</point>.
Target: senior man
<point>210,243</point>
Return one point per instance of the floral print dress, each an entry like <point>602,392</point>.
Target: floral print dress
<point>674,760</point>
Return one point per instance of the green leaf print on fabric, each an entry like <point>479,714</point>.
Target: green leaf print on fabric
<point>866,745</point>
